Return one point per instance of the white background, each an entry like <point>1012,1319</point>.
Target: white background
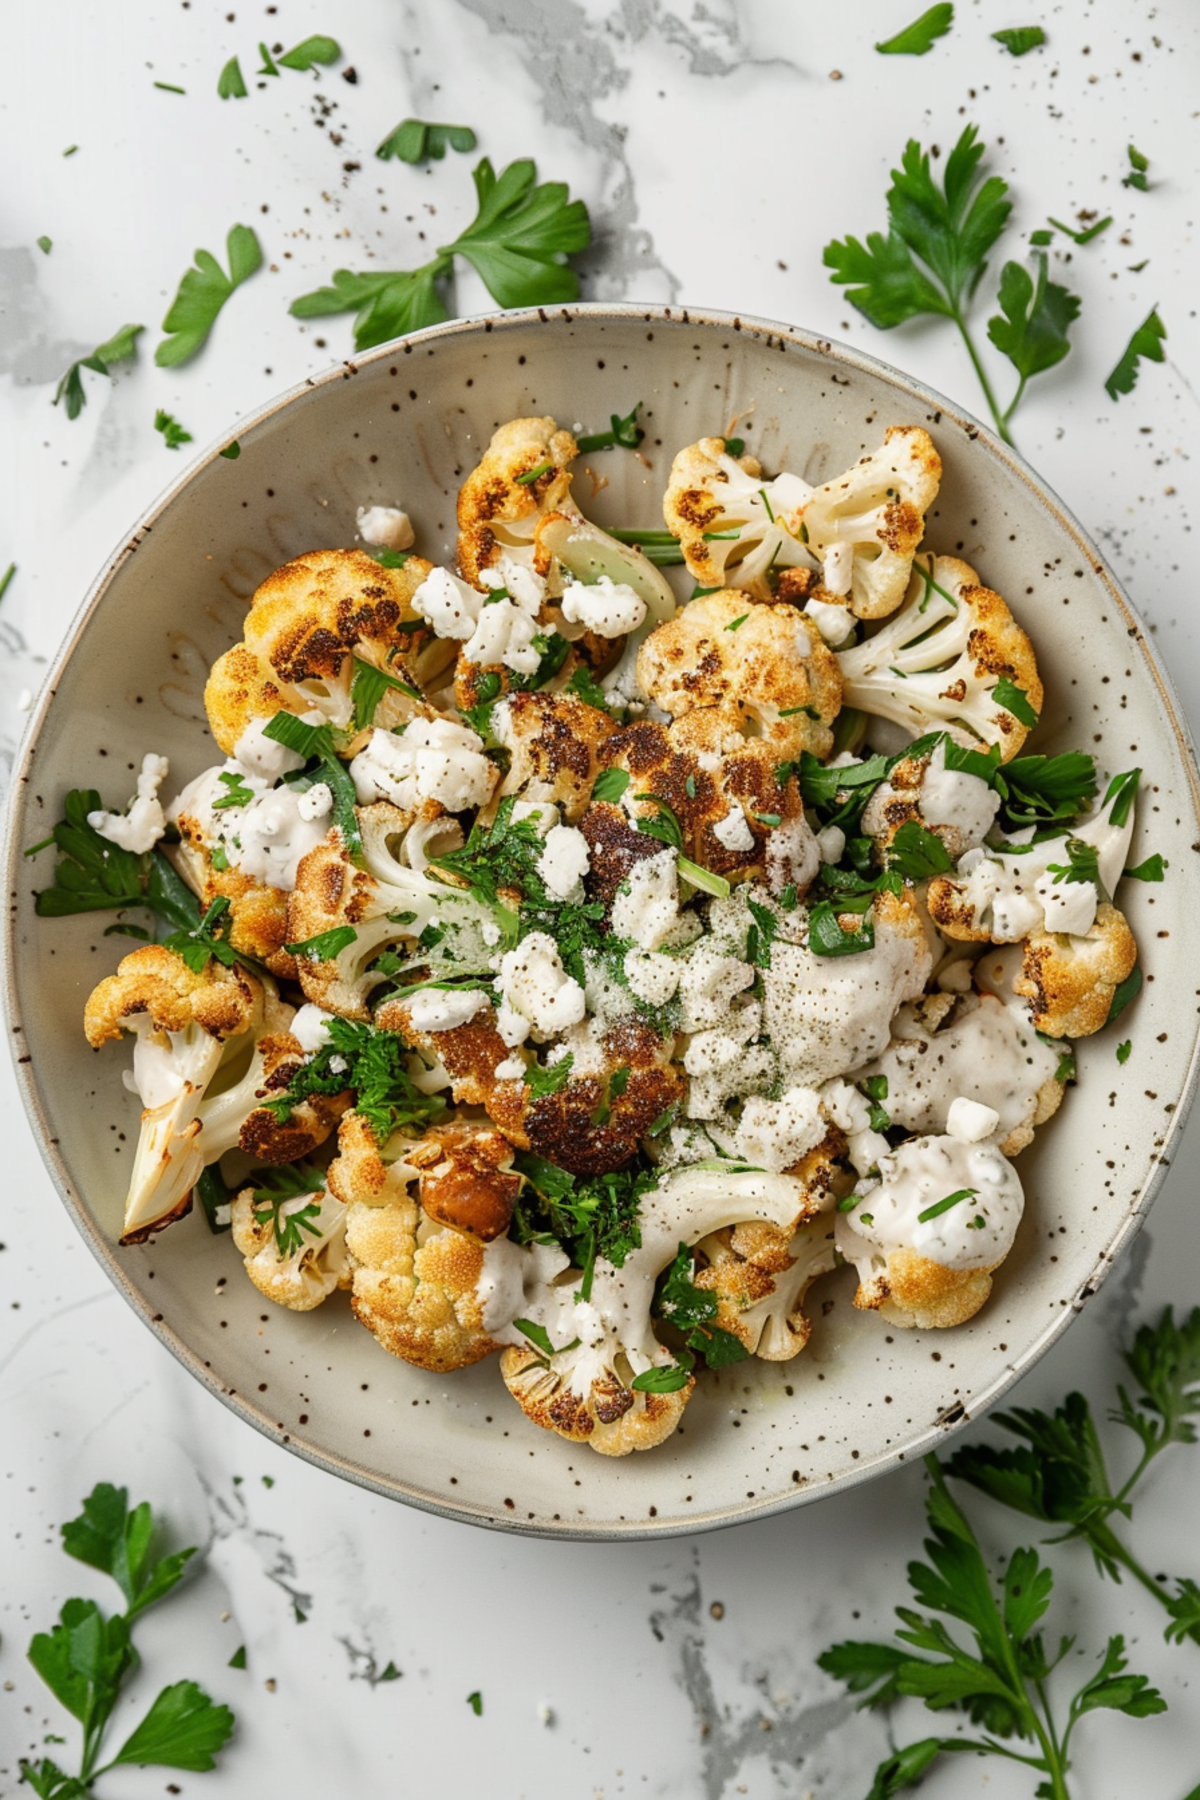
<point>718,155</point>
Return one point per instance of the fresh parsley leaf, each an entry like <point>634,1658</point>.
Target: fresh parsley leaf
<point>172,431</point>
<point>236,791</point>
<point>45,245</point>
<point>917,853</point>
<point>1146,345</point>
<point>231,83</point>
<point>875,1088</point>
<point>231,451</point>
<point>374,1066</point>
<point>325,946</point>
<point>537,1334</point>
<point>275,1189</point>
<point>1126,991</point>
<point>475,1702</point>
<point>1153,869</point>
<point>1015,700</point>
<point>94,875</point>
<point>1086,234</point>
<point>625,432</point>
<point>108,1536</point>
<point>590,1216</point>
<point>919,38</point>
<point>1124,1050</point>
<point>184,1729</point>
<point>521,234</point>
<point>119,348</point>
<point>312,51</point>
<point>665,1378</point>
<point>551,1079</point>
<point>610,785</point>
<point>1083,863</point>
<point>1121,794</point>
<point>1034,320</point>
<point>1018,40</point>
<point>692,1310</point>
<point>766,925</point>
<point>1036,790</point>
<point>419,141</point>
<point>1138,164</point>
<point>827,936</point>
<point>202,293</point>
<point>585,686</point>
<point>206,940</point>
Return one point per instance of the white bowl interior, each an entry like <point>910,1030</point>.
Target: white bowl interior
<point>402,427</point>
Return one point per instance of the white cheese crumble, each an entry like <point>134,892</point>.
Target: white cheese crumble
<point>310,1028</point>
<point>607,607</point>
<point>444,1009</point>
<point>511,1069</point>
<point>835,623</point>
<point>646,908</point>
<point>449,605</point>
<point>315,802</point>
<point>143,822</point>
<point>733,831</point>
<point>970,1121</point>
<point>534,983</point>
<point>512,1026</point>
<point>504,633</point>
<point>525,585</point>
<point>386,526</point>
<point>651,978</point>
<point>543,815</point>
<point>564,862</point>
<point>774,1134</point>
<point>433,759</point>
<point>793,855</point>
<point>709,984</point>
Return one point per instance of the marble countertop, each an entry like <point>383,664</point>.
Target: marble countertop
<point>719,144</point>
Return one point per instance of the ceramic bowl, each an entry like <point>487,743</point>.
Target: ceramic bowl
<point>403,425</point>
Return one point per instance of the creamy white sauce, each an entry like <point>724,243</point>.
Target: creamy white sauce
<point>774,1134</point>
<point>977,1231</point>
<point>261,755</point>
<point>143,822</point>
<point>733,831</point>
<point>957,800</point>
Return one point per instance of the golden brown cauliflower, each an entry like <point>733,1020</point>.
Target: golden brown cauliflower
<point>609,1417</point>
<point>258,915</point>
<point>241,691</point>
<point>954,805</point>
<point>762,659</point>
<point>499,511</point>
<point>299,1264</point>
<point>734,527</point>
<point>555,742</point>
<point>414,1290</point>
<point>864,527</point>
<point>1070,981</point>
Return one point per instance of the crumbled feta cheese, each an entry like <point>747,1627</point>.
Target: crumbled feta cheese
<point>652,978</point>
<point>315,802</point>
<point>433,759</point>
<point>268,839</point>
<point>970,1121</point>
<point>310,1028</point>
<point>261,755</point>
<point>338,1065</point>
<point>451,606</point>
<point>793,855</point>
<point>830,843</point>
<point>646,907</point>
<point>385,525</point>
<point>709,983</point>
<point>143,822</point>
<point>490,932</point>
<point>504,633</point>
<point>534,983</point>
<point>524,585</point>
<point>564,862</point>
<point>512,1026</point>
<point>511,1069</point>
<point>444,1009</point>
<point>543,815</point>
<point>774,1134</point>
<point>607,607</point>
<point>733,831</point>
<point>835,623</point>
<point>726,1064</point>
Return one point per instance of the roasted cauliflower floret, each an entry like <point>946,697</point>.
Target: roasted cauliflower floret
<point>941,659</point>
<point>241,692</point>
<point>864,527</point>
<point>1070,981</point>
<point>314,618</point>
<point>258,924</point>
<point>202,1067</point>
<point>926,1236</point>
<point>555,742</point>
<point>587,1392</point>
<point>737,818</point>
<point>733,525</point>
<point>525,474</point>
<point>294,1249</point>
<point>955,805</point>
<point>984,1050</point>
<point>413,1283</point>
<point>763,660</point>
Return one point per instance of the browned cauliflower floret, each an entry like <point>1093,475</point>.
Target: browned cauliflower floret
<point>738,820</point>
<point>241,691</point>
<point>941,660</point>
<point>764,660</point>
<point>555,742</point>
<point>258,915</point>
<point>734,527</point>
<point>497,509</point>
<point>864,526</point>
<point>294,1248</point>
<point>953,804</point>
<point>414,1290</point>
<point>1070,981</point>
<point>314,618</point>
<point>189,1027</point>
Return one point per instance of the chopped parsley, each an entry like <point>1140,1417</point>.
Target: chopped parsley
<point>325,946</point>
<point>917,853</point>
<point>421,141</point>
<point>95,875</point>
<point>624,432</point>
<point>236,791</point>
<point>1146,345</point>
<point>203,291</point>
<point>118,348</point>
<point>274,1189</point>
<point>943,1206</point>
<point>692,1310</point>
<point>374,1066</point>
<point>173,433</point>
<point>1019,40</point>
<point>919,38</point>
<point>590,1216</point>
<point>1124,1050</point>
<point>200,943</point>
<point>1138,165</point>
<point>875,1088</point>
<point>1153,869</point>
<point>542,1081</point>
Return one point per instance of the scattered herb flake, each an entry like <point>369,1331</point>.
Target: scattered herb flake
<point>919,38</point>
<point>231,84</point>
<point>172,431</point>
<point>1124,1050</point>
<point>203,291</point>
<point>1146,345</point>
<point>419,141</point>
<point>119,348</point>
<point>1019,40</point>
<point>1138,164</point>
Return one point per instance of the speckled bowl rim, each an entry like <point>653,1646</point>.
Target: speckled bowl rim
<point>778,336</point>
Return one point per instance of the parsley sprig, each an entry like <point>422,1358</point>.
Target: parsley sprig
<point>86,1658</point>
<point>421,141</point>
<point>934,256</point>
<point>590,1216</point>
<point>203,291</point>
<point>118,348</point>
<point>518,242</point>
<point>1058,1472</point>
<point>94,875</point>
<point>275,1189</point>
<point>374,1066</point>
<point>1000,1677</point>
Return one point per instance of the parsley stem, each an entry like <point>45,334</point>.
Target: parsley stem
<point>1000,420</point>
<point>1105,1539</point>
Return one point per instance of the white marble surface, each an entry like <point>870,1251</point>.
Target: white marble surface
<point>718,156</point>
